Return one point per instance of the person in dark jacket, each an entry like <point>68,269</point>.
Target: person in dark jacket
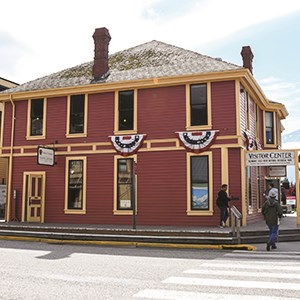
<point>222,203</point>
<point>272,212</point>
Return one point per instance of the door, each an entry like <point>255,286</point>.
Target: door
<point>34,190</point>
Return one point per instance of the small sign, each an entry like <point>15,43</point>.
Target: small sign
<point>2,194</point>
<point>291,200</point>
<point>270,158</point>
<point>46,156</point>
<point>125,203</point>
<point>277,171</point>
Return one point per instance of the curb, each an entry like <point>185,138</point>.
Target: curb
<point>131,244</point>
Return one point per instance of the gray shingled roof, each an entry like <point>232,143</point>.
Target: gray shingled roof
<point>150,60</point>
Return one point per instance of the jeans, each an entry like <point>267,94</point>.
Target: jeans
<point>273,231</point>
<point>223,215</point>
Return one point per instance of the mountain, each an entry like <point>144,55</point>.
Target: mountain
<point>292,138</point>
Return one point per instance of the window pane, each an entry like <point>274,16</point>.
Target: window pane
<point>199,183</point>
<point>198,102</point>
<point>269,128</point>
<point>75,193</point>
<point>124,183</point>
<point>126,110</point>
<point>77,114</point>
<point>36,117</point>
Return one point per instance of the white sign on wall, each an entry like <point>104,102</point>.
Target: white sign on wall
<point>46,156</point>
<point>270,158</point>
<point>277,171</point>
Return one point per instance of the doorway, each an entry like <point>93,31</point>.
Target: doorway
<point>33,197</point>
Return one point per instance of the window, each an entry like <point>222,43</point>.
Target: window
<point>75,185</point>
<point>198,104</point>
<point>77,114</point>
<point>269,127</point>
<point>125,185</point>
<point>199,184</point>
<point>36,119</point>
<point>124,188</point>
<point>126,110</point>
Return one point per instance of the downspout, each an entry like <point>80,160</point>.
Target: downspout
<point>10,168</point>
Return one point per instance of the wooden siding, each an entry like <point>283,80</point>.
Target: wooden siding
<point>235,179</point>
<point>161,190</point>
<point>223,107</point>
<point>161,111</point>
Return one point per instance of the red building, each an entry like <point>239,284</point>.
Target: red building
<point>179,120</point>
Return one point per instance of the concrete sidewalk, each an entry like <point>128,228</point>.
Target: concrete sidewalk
<point>148,236</point>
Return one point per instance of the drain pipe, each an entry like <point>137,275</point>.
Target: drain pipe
<point>10,168</point>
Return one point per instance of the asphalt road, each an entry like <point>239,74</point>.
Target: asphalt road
<point>46,271</point>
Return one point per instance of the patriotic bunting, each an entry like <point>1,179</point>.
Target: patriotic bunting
<point>250,142</point>
<point>127,144</point>
<point>197,141</point>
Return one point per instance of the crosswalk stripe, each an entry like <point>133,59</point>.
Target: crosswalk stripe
<point>233,283</point>
<point>261,255</point>
<point>180,295</point>
<point>243,274</point>
<point>262,266</point>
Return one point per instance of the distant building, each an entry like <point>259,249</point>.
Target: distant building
<point>180,121</point>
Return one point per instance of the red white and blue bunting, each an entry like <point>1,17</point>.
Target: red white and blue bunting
<point>197,141</point>
<point>127,144</point>
<point>250,142</point>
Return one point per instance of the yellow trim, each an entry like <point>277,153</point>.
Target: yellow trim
<point>84,133</point>
<point>2,127</point>
<point>188,107</point>
<point>274,145</point>
<point>66,209</point>
<point>243,187</point>
<point>115,209</point>
<point>225,169</point>
<point>210,211</point>
<point>24,204</point>
<point>43,135</point>
<point>243,74</point>
<point>116,123</point>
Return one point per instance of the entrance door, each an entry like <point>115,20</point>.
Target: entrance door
<point>34,190</point>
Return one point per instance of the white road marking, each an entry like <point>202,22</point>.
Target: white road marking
<point>233,283</point>
<point>180,295</point>
<point>240,274</point>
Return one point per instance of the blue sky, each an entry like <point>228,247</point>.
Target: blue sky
<point>38,38</point>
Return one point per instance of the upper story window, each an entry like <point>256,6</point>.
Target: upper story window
<point>77,115</point>
<point>36,119</point>
<point>126,114</point>
<point>269,117</point>
<point>198,106</point>
<point>198,101</point>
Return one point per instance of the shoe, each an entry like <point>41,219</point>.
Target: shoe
<point>274,247</point>
<point>221,226</point>
<point>268,247</point>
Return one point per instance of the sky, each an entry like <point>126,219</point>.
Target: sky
<point>38,38</point>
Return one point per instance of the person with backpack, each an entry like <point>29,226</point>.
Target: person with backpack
<point>222,203</point>
<point>272,212</point>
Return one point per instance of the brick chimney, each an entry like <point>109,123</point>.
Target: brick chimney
<point>247,56</point>
<point>101,38</point>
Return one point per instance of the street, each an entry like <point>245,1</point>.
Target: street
<point>56,271</point>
